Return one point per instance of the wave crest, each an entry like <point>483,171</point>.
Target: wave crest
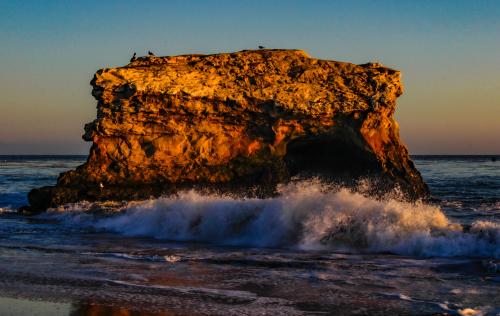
<point>307,215</point>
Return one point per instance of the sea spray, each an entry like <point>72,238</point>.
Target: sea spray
<point>308,215</point>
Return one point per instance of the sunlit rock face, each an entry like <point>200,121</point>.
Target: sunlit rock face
<point>237,122</point>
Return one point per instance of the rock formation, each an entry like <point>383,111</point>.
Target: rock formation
<point>238,122</point>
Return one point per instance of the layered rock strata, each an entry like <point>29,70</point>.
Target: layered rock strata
<point>237,122</point>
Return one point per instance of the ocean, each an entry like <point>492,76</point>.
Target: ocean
<point>315,249</point>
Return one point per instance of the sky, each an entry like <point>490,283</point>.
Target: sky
<point>448,52</point>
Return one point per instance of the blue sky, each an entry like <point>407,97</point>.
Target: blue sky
<point>448,51</point>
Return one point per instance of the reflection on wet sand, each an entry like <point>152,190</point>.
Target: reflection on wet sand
<point>21,307</point>
<point>103,310</point>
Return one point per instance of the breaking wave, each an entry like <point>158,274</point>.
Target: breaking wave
<point>307,215</point>
<point>7,209</point>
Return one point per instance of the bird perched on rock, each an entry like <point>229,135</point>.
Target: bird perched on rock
<point>133,57</point>
<point>150,53</point>
<point>261,47</point>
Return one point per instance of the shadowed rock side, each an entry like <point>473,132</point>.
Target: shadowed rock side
<point>238,122</point>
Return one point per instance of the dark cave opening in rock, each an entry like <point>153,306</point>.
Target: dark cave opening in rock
<point>336,158</point>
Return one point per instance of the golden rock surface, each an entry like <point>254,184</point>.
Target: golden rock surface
<point>250,118</point>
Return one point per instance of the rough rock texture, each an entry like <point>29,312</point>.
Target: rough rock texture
<point>237,121</point>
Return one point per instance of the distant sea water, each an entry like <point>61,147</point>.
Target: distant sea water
<point>313,249</point>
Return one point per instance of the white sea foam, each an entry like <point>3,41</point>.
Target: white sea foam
<point>305,215</point>
<point>7,210</point>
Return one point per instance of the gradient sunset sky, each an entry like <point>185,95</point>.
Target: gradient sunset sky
<point>448,52</point>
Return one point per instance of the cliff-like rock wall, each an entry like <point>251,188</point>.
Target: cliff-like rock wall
<point>235,122</point>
